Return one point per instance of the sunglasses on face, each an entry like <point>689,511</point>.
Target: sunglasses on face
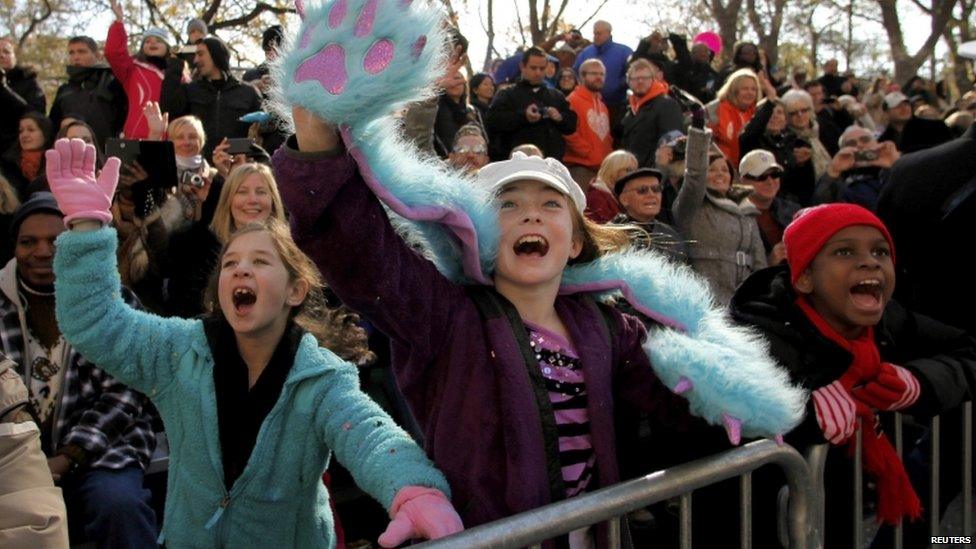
<point>804,110</point>
<point>465,149</point>
<point>863,140</point>
<point>764,177</point>
<point>645,189</point>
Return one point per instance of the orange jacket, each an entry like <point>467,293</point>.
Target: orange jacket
<point>726,130</point>
<point>591,142</point>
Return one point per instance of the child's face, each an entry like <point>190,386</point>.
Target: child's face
<point>254,289</point>
<point>851,279</point>
<point>537,236</point>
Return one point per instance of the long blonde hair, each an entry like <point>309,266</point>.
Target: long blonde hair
<point>612,164</point>
<point>223,222</point>
<point>334,328</point>
<point>730,89</point>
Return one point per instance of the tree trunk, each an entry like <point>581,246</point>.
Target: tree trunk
<point>490,33</point>
<point>907,64</point>
<point>727,18</point>
<point>768,40</point>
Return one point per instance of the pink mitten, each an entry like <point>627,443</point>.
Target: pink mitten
<point>420,512</point>
<point>894,388</point>
<point>836,412</point>
<point>71,176</point>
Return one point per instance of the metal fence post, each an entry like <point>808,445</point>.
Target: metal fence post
<point>934,479</point>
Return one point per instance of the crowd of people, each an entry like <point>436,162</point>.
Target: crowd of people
<point>776,199</point>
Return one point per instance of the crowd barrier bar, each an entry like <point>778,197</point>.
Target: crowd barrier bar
<point>533,527</point>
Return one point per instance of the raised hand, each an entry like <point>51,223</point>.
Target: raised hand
<point>420,512</point>
<point>71,176</point>
<point>158,121</point>
<point>117,10</point>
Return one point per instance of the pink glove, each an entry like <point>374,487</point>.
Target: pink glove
<point>420,512</point>
<point>836,412</point>
<point>894,388</point>
<point>71,176</point>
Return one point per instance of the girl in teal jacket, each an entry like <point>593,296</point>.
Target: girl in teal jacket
<point>277,498</point>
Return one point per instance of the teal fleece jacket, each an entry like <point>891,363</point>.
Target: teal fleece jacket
<point>279,499</point>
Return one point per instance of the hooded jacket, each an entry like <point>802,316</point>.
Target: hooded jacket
<point>96,96</point>
<point>142,81</point>
<point>320,409</point>
<point>647,119</point>
<point>591,142</point>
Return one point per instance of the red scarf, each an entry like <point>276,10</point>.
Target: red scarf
<point>896,497</point>
<point>30,164</point>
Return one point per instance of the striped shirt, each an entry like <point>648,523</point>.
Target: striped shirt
<point>563,373</point>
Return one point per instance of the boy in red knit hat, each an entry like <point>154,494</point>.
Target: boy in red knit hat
<point>832,324</point>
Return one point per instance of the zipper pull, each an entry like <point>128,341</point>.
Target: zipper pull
<point>218,513</point>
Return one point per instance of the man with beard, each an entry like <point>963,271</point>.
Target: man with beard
<point>591,142</point>
<point>92,93</point>
<point>650,114</point>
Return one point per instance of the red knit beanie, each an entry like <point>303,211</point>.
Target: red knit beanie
<point>811,228</point>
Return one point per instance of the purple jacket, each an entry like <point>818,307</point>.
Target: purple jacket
<point>465,379</point>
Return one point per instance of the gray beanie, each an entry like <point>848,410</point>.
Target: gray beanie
<point>158,32</point>
<point>197,24</point>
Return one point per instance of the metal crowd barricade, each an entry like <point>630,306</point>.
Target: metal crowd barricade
<point>610,504</point>
<point>817,457</point>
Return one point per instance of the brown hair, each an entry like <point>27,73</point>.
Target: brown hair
<point>334,328</point>
<point>598,240</point>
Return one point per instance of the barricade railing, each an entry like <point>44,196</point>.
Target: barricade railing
<point>609,504</point>
<point>817,458</point>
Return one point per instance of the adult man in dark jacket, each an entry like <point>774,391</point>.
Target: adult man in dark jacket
<point>92,93</point>
<point>829,130</point>
<point>19,93</point>
<point>530,112</point>
<point>215,97</point>
<point>909,132</point>
<point>650,114</point>
<point>831,80</point>
<point>929,205</point>
<point>693,71</point>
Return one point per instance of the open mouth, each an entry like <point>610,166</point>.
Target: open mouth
<point>531,244</point>
<point>243,299</point>
<point>868,294</point>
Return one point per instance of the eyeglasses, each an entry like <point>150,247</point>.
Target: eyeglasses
<point>862,140</point>
<point>775,174</point>
<point>640,78</point>
<point>465,149</point>
<point>588,73</point>
<point>644,189</point>
<point>804,110</point>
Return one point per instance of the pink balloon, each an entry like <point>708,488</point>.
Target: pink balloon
<point>710,39</point>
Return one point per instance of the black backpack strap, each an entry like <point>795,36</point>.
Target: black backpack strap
<point>490,306</point>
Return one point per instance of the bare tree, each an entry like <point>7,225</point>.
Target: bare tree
<point>962,23</point>
<point>727,18</point>
<point>771,14</point>
<point>906,64</point>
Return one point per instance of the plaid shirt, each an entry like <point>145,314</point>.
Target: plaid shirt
<point>97,413</point>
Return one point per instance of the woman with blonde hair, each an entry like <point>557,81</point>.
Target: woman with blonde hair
<point>735,105</point>
<point>601,206</point>
<point>249,195</point>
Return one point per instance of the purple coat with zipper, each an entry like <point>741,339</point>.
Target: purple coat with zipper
<point>464,378</point>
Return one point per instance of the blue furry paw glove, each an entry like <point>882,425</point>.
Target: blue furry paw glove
<point>353,61</point>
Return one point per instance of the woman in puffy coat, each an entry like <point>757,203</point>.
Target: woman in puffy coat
<point>724,243</point>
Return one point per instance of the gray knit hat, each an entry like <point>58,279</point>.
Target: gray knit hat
<point>197,24</point>
<point>158,32</point>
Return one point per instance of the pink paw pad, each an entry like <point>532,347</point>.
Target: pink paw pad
<point>300,8</point>
<point>418,46</point>
<point>337,13</point>
<point>364,23</point>
<point>378,56</point>
<point>306,37</point>
<point>327,67</point>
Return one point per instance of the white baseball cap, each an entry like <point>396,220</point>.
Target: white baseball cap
<point>521,167</point>
<point>894,99</point>
<point>758,162</point>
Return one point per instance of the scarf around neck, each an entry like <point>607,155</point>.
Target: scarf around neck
<point>896,497</point>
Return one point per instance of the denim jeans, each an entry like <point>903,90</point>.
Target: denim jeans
<point>111,507</point>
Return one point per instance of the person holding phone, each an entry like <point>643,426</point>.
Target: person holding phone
<point>859,170</point>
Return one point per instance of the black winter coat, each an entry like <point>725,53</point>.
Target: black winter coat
<point>918,134</point>
<point>18,95</point>
<point>798,181</point>
<point>931,217</point>
<point>698,79</point>
<point>218,104</point>
<point>508,127</point>
<point>640,132</point>
<point>94,95</point>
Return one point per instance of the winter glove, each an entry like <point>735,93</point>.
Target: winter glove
<point>420,512</point>
<point>894,388</point>
<point>71,176</point>
<point>835,411</point>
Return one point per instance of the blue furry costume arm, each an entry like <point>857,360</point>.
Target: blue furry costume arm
<point>354,61</point>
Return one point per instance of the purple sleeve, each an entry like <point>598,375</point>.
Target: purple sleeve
<point>341,225</point>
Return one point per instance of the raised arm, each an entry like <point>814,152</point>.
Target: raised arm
<point>117,47</point>
<point>342,226</point>
<point>692,193</point>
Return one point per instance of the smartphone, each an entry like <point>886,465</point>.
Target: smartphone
<point>187,53</point>
<point>239,145</point>
<point>158,158</point>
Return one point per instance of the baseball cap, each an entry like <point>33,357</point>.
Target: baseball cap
<point>521,167</point>
<point>894,99</point>
<point>758,162</point>
<point>618,187</point>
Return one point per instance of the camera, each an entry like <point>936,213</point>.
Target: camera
<point>193,179</point>
<point>865,156</point>
<point>677,146</point>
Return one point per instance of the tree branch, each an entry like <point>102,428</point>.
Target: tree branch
<point>34,22</point>
<point>255,12</point>
<point>592,15</point>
